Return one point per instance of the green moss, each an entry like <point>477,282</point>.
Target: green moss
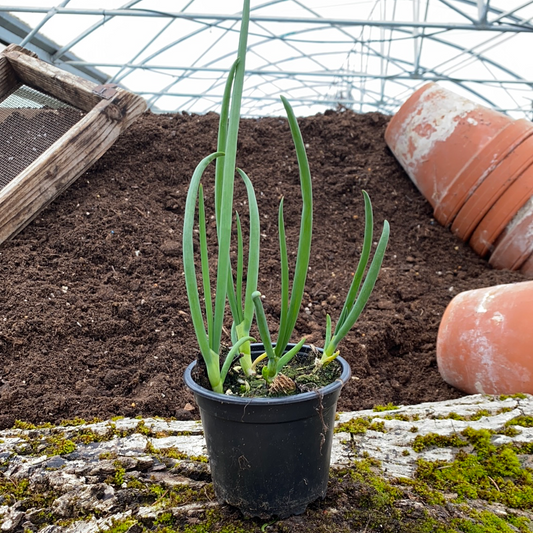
<point>487,522</point>
<point>517,396</point>
<point>455,416</point>
<point>177,495</point>
<point>79,422</point>
<point>134,483</point>
<point>522,420</point>
<point>525,448</point>
<point>422,489</point>
<point>54,444</point>
<point>107,455</point>
<point>523,524</point>
<point>60,446</point>
<point>29,497</point>
<point>367,471</point>
<point>402,417</point>
<point>214,523</point>
<point>173,453</point>
<point>19,424</point>
<point>508,431</point>
<point>142,428</point>
<point>488,473</point>
<point>357,426</point>
<point>388,407</point>
<point>422,442</point>
<point>120,526</point>
<point>164,519</point>
<point>480,414</point>
<point>118,478</point>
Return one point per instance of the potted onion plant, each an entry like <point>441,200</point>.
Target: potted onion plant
<point>269,445</point>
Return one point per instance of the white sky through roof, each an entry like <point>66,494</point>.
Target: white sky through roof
<point>319,53</point>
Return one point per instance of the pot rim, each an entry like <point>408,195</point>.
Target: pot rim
<point>296,398</point>
<point>508,171</point>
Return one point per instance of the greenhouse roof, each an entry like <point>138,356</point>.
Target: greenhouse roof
<point>359,54</point>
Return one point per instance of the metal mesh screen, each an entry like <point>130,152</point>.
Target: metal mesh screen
<point>30,122</point>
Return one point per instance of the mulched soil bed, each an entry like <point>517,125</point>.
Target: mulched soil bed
<point>94,319</point>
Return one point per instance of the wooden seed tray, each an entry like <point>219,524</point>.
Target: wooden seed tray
<point>64,124</point>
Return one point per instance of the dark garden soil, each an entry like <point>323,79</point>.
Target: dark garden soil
<point>94,319</point>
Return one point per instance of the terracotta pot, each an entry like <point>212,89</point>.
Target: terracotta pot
<point>501,213</point>
<point>439,137</point>
<point>495,183</point>
<point>480,170</point>
<point>515,245</point>
<point>485,339</point>
<point>527,267</point>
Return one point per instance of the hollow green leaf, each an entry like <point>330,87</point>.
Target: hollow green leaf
<point>190,269</point>
<point>366,291</point>
<point>306,228</point>
<point>363,262</point>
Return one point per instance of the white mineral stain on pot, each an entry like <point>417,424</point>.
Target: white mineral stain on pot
<point>523,240</point>
<point>494,371</point>
<point>497,317</point>
<point>482,356</point>
<point>525,211</point>
<point>485,301</point>
<point>435,119</point>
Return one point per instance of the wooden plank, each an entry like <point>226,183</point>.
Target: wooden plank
<point>8,79</point>
<point>57,168</point>
<point>44,77</point>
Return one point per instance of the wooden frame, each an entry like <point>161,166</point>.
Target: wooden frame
<point>109,112</point>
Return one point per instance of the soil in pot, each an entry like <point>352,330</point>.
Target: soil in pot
<point>93,312</point>
<point>301,374</point>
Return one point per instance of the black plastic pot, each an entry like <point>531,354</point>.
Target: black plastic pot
<point>269,456</point>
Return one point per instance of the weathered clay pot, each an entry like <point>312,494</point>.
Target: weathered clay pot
<point>515,245</point>
<point>491,188</point>
<point>527,267</point>
<point>485,340</point>
<point>475,167</point>
<point>448,144</point>
<point>502,212</point>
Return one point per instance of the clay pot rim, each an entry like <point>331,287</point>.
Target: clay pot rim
<point>507,254</point>
<point>527,265</point>
<point>468,181</point>
<point>502,212</point>
<point>495,184</point>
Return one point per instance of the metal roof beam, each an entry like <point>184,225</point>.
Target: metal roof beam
<point>262,18</point>
<point>300,74</point>
<point>13,30</point>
